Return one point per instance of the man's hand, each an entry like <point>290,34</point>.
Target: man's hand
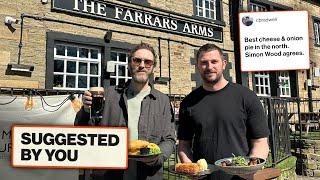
<point>260,148</point>
<point>184,151</point>
<point>87,101</point>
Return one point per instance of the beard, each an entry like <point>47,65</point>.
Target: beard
<point>211,80</point>
<point>140,76</point>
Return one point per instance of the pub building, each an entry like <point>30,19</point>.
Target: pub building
<point>77,44</point>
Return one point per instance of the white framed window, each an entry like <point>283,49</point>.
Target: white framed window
<point>121,74</point>
<point>284,84</point>
<point>262,83</point>
<point>257,7</point>
<point>76,67</point>
<point>207,9</point>
<point>316,26</point>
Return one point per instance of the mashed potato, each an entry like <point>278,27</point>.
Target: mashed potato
<point>202,163</point>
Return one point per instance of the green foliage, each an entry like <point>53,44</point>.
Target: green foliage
<point>287,163</point>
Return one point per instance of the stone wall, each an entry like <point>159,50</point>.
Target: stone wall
<point>309,161</point>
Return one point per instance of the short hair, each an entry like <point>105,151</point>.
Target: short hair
<point>209,47</point>
<point>144,46</point>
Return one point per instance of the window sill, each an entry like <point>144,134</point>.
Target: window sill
<point>217,22</point>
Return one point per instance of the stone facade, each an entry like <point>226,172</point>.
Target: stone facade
<point>182,48</point>
<point>309,161</point>
<point>34,40</point>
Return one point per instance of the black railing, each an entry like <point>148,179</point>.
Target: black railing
<point>279,140</point>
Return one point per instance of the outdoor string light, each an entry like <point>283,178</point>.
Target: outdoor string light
<point>75,102</point>
<point>28,105</point>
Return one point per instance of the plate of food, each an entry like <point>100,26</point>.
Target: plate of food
<point>239,165</point>
<point>201,168</point>
<point>143,149</point>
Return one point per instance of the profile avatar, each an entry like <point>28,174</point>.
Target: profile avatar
<point>247,20</point>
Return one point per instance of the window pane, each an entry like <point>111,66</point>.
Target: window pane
<point>113,56</point>
<point>83,53</point>
<point>212,5</point>
<point>122,70</point>
<point>58,80</point>
<point>121,81</point>
<point>212,15</point>
<point>206,4</point>
<point>60,50</point>
<point>71,67</point>
<point>71,82</point>
<point>58,66</point>
<point>82,82</point>
<point>83,68</point>
<point>122,57</point>
<point>257,90</point>
<point>267,91</point>
<point>94,54</point>
<point>93,82</point>
<point>72,51</point>
<point>317,32</point>
<point>200,3</point>
<point>200,12</point>
<point>112,81</point>
<point>94,68</point>
<point>207,13</point>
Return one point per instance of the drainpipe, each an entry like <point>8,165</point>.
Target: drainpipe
<point>309,87</point>
<point>160,56</point>
<point>21,34</point>
<point>169,66</point>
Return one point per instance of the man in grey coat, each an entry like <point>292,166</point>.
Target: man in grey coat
<point>145,111</point>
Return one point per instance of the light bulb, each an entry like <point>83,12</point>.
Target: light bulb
<point>28,105</point>
<point>75,103</point>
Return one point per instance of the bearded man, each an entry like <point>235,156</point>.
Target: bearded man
<point>145,111</point>
<point>220,118</point>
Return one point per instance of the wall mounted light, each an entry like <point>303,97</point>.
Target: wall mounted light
<point>162,80</point>
<point>8,20</point>
<point>44,1</point>
<point>20,67</point>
